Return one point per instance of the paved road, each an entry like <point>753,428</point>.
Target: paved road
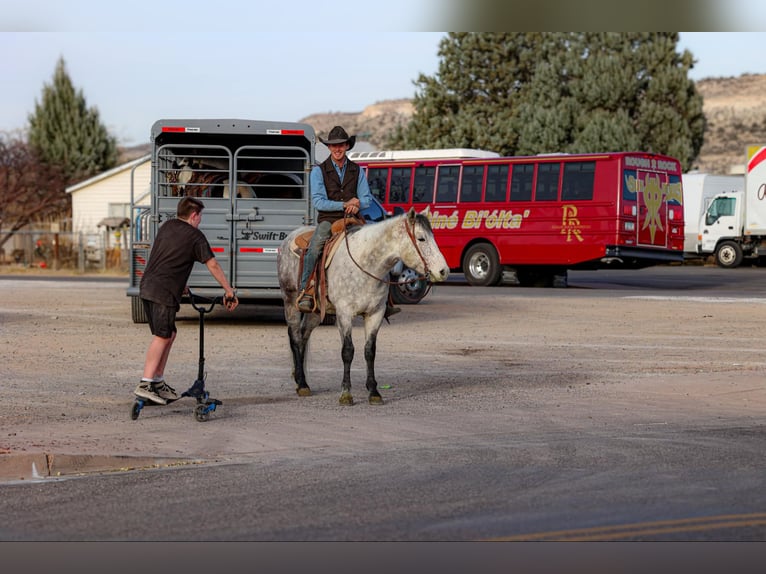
<point>547,429</point>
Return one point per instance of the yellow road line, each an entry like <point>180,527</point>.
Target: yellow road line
<point>643,529</point>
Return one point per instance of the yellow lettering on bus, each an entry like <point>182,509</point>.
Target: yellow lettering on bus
<point>570,223</point>
<point>439,221</point>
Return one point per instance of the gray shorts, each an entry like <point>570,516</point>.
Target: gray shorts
<point>162,319</point>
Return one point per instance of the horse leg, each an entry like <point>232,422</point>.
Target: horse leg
<point>370,349</point>
<point>299,329</point>
<point>347,353</point>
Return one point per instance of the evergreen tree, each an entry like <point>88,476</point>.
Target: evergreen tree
<point>65,132</point>
<point>529,93</point>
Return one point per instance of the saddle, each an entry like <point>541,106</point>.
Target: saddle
<point>316,286</point>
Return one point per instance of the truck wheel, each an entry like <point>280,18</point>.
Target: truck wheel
<point>481,265</point>
<point>137,310</point>
<point>728,255</point>
<point>409,288</point>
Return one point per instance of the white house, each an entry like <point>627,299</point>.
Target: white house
<point>104,200</point>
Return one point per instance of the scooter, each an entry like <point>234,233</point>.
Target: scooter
<point>205,404</point>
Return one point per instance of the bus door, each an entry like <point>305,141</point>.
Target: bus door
<point>644,197</point>
<point>203,172</point>
<point>270,198</point>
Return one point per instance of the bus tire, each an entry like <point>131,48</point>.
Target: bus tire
<point>728,255</point>
<point>481,265</point>
<point>137,310</point>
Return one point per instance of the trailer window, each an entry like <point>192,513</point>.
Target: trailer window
<point>446,184</point>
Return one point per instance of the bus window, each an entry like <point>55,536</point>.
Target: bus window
<point>547,188</point>
<point>629,185</point>
<point>400,185</point>
<point>377,177</point>
<point>446,185</point>
<point>497,183</point>
<point>521,182</point>
<point>423,191</point>
<point>470,186</point>
<point>577,181</point>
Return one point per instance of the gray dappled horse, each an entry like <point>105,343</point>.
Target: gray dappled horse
<point>357,284</point>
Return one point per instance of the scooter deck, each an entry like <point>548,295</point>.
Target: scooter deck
<point>205,405</point>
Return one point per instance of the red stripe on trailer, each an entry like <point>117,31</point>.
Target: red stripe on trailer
<point>217,249</point>
<point>173,129</point>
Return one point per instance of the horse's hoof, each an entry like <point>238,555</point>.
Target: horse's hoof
<point>376,400</point>
<point>346,400</point>
<point>303,391</point>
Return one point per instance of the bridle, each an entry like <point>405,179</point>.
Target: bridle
<point>411,235</point>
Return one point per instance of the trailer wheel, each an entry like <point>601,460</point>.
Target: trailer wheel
<point>137,310</point>
<point>481,265</point>
<point>728,255</point>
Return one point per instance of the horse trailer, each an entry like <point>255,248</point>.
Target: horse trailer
<point>253,177</point>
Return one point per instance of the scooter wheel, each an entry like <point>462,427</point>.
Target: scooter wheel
<point>134,412</point>
<point>201,413</point>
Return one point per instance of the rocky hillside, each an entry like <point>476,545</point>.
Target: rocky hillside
<point>735,109</point>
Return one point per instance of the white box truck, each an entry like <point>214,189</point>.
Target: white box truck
<point>699,191</point>
<point>734,224</point>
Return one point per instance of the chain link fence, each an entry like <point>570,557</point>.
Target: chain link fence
<point>68,250</point>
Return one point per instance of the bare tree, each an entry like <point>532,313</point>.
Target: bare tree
<point>30,190</point>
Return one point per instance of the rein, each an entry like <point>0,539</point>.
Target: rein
<point>411,235</point>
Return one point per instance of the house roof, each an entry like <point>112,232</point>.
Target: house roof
<point>108,174</point>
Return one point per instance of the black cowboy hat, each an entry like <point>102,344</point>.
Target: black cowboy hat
<point>338,135</point>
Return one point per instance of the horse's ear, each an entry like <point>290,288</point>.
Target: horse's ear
<point>411,215</point>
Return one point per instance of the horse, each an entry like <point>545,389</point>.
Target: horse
<point>357,285</point>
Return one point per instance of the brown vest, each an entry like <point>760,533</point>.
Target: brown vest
<point>335,190</point>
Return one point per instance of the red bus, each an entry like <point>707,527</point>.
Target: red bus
<point>538,216</point>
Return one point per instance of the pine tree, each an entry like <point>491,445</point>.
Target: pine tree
<point>529,93</point>
<point>65,132</point>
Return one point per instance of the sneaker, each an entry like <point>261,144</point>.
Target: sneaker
<point>165,391</point>
<point>146,390</point>
<point>306,304</point>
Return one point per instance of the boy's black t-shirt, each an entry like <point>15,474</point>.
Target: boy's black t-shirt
<point>177,246</point>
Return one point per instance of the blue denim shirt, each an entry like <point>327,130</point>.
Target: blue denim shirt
<point>319,191</point>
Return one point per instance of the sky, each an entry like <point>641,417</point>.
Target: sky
<point>142,61</point>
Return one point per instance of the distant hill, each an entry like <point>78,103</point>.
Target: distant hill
<point>735,109</point>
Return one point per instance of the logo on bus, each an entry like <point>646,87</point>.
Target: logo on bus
<point>655,194</point>
<point>570,223</point>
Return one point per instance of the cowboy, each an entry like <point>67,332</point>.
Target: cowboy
<point>338,188</point>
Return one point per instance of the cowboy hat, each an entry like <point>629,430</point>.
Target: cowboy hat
<point>338,135</point>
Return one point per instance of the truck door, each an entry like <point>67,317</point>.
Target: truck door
<point>721,221</point>
<point>270,199</point>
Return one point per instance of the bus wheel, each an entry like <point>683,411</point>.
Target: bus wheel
<point>481,265</point>
<point>728,254</point>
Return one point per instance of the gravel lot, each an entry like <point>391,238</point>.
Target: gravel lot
<point>465,360</point>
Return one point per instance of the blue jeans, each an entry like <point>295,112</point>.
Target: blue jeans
<point>314,250</point>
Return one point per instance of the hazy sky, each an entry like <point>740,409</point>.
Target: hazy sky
<point>153,64</point>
